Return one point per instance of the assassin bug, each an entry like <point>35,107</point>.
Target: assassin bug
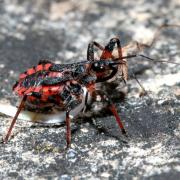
<point>64,86</point>
<point>50,85</point>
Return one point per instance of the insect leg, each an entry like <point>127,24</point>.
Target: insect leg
<point>68,130</point>
<point>144,92</point>
<point>70,107</point>
<point>90,50</point>
<point>14,119</point>
<point>107,53</point>
<point>137,47</point>
<point>157,33</point>
<point>113,110</point>
<point>73,100</point>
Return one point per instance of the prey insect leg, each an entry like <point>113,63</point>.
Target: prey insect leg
<point>137,47</point>
<point>157,33</point>
<point>144,92</point>
<point>14,119</point>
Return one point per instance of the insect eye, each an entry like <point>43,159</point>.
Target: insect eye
<point>98,66</point>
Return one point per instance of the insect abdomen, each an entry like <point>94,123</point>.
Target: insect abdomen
<point>33,70</point>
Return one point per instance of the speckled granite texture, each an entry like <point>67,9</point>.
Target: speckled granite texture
<point>61,30</point>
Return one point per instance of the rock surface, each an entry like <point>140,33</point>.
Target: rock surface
<point>61,30</point>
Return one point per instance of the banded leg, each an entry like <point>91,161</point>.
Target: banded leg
<point>14,119</point>
<point>107,52</point>
<point>90,50</point>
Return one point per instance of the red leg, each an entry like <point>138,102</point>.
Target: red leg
<point>118,120</point>
<point>14,119</point>
<point>112,108</point>
<point>68,130</point>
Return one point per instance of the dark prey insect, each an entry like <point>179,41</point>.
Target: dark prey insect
<point>64,86</point>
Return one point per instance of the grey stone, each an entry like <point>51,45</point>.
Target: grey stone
<point>60,31</point>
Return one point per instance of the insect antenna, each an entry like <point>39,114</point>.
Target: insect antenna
<point>157,61</point>
<point>120,61</point>
<point>14,119</point>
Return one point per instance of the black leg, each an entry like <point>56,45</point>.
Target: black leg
<point>68,130</point>
<point>68,123</point>
<point>107,53</point>
<point>73,104</point>
<point>90,50</point>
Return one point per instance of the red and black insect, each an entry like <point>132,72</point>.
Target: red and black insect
<point>49,85</point>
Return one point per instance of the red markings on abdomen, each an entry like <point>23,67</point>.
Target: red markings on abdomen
<point>41,67</point>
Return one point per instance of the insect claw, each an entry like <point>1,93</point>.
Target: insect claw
<point>125,82</point>
<point>68,146</point>
<point>3,141</point>
<point>124,132</point>
<point>143,93</point>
